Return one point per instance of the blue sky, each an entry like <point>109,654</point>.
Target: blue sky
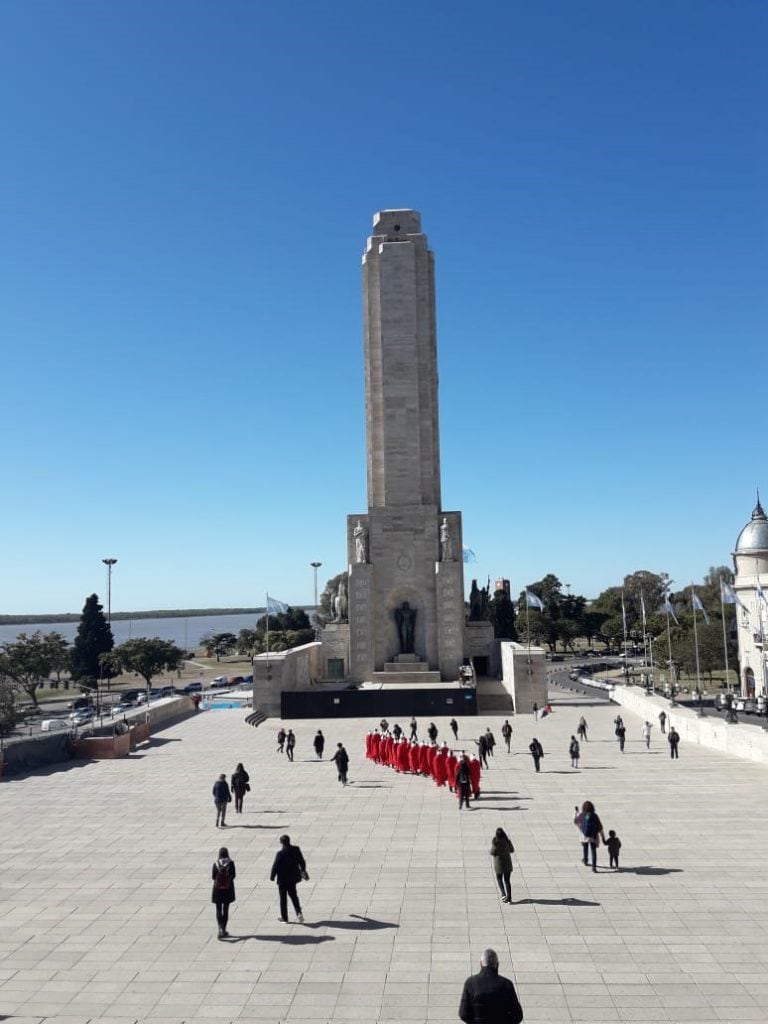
<point>187,192</point>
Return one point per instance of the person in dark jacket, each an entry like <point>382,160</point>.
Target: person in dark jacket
<point>319,744</point>
<point>506,732</point>
<point>537,752</point>
<point>414,731</point>
<point>240,786</point>
<point>591,831</point>
<point>223,892</point>
<point>674,741</point>
<point>432,732</point>
<point>574,749</point>
<point>482,749</point>
<point>463,781</point>
<point>454,728</point>
<point>490,742</point>
<point>489,998</point>
<point>288,869</point>
<point>290,744</point>
<point>221,797</point>
<point>501,851</point>
<point>341,759</point>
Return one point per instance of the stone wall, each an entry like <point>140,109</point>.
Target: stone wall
<point>524,675</point>
<point>296,669</point>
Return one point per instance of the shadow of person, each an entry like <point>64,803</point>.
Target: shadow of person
<point>288,940</point>
<point>647,869</point>
<point>361,924</point>
<point>567,901</point>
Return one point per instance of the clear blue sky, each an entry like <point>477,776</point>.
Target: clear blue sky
<point>187,190</point>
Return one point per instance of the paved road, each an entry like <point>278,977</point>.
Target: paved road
<point>104,899</point>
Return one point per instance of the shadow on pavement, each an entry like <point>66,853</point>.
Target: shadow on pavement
<point>492,807</point>
<point>568,901</point>
<point>598,768</point>
<point>159,741</point>
<point>646,869</point>
<point>256,826</point>
<point>372,785</point>
<point>289,940</point>
<point>367,924</point>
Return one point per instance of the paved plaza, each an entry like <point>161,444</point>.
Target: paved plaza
<point>105,910</point>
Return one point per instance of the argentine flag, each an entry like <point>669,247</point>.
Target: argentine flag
<point>275,607</point>
<point>533,601</point>
<point>696,602</point>
<point>730,596</point>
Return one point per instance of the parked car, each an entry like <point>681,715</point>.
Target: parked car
<point>82,716</point>
<point>122,707</point>
<point>80,702</point>
<point>167,691</point>
<point>195,687</point>
<point>130,696</point>
<point>54,725</point>
<point>219,681</point>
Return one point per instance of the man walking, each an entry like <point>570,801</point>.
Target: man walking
<point>575,751</point>
<point>319,743</point>
<point>281,740</point>
<point>647,735</point>
<point>290,743</point>
<point>221,797</point>
<point>663,721</point>
<point>489,997</point>
<point>289,868</point>
<point>537,752</point>
<point>506,732</point>
<point>414,730</point>
<point>341,758</point>
<point>674,741</point>
<point>454,728</point>
<point>482,749</point>
<point>463,781</point>
<point>621,735</point>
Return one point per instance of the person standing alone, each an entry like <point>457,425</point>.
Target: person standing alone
<point>319,744</point>
<point>674,741</point>
<point>221,797</point>
<point>574,750</point>
<point>506,732</point>
<point>223,892</point>
<point>240,785</point>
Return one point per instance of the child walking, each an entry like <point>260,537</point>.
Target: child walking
<point>614,845</point>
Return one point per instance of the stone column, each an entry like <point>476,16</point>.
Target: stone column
<point>361,625</point>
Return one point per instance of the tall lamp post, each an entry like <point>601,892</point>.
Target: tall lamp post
<point>316,566</point>
<point>109,562</point>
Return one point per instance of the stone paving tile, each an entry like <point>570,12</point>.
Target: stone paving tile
<point>401,899</point>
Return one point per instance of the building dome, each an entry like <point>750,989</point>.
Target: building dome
<point>754,536</point>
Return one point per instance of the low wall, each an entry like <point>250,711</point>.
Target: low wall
<point>746,742</point>
<point>523,675</point>
<point>294,670</point>
<point>375,704</point>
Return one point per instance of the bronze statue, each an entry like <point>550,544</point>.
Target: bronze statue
<point>405,617</point>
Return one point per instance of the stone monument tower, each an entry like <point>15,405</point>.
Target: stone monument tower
<point>406,579</point>
<point>750,560</point>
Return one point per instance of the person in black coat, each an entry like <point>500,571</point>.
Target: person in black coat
<point>288,869</point>
<point>319,744</point>
<point>537,752</point>
<point>341,758</point>
<point>489,998</point>
<point>221,797</point>
<point>239,784</point>
<point>223,892</point>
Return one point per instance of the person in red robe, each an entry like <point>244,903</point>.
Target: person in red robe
<point>450,763</point>
<point>403,759</point>
<point>413,757</point>
<point>439,770</point>
<point>431,754</point>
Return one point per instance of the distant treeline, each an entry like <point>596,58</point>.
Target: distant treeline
<point>159,613</point>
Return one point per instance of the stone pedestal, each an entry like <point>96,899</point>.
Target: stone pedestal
<point>360,598</point>
<point>335,640</point>
<point>449,579</point>
<point>524,676</point>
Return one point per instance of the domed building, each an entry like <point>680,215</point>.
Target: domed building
<point>750,560</point>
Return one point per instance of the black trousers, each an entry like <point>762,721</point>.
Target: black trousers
<point>537,762</point>
<point>673,750</point>
<point>504,880</point>
<point>614,860</point>
<point>222,914</point>
<point>463,794</point>
<point>286,891</point>
<point>289,752</point>
<point>585,849</point>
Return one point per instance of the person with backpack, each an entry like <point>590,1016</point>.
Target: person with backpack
<point>591,830</point>
<point>506,732</point>
<point>501,851</point>
<point>341,759</point>
<point>239,784</point>
<point>537,752</point>
<point>288,869</point>
<point>463,781</point>
<point>223,892</point>
<point>221,797</point>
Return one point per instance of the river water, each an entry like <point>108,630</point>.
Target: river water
<point>184,632</point>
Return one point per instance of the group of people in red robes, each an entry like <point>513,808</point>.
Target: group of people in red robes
<point>436,762</point>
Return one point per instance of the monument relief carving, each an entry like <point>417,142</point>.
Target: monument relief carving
<point>405,617</point>
<point>446,541</point>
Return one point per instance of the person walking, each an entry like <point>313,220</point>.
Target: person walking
<point>341,759</point>
<point>501,851</point>
<point>482,749</point>
<point>290,744</point>
<point>490,741</point>
<point>432,732</point>
<point>535,712</point>
<point>319,744</point>
<point>581,732</point>
<point>463,781</point>
<point>221,797</point>
<point>591,831</point>
<point>621,736</point>
<point>414,731</point>
<point>575,751</point>
<point>647,735</point>
<point>674,741</point>
<point>454,728</point>
<point>223,891</point>
<point>281,740</point>
<point>288,869</point>
<point>614,845</point>
<point>537,752</point>
<point>663,721</point>
<point>506,732</point>
<point>489,997</point>
<point>239,784</point>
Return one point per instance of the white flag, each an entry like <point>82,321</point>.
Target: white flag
<point>642,608</point>
<point>275,607</point>
<point>730,596</point>
<point>468,555</point>
<point>669,608</point>
<point>696,602</point>
<point>533,600</point>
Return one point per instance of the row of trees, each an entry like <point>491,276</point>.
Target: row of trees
<point>287,629</point>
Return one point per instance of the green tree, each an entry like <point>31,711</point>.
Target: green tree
<point>144,657</point>
<point>94,638</point>
<point>60,654</point>
<point>502,615</point>
<point>248,643</point>
<point>219,644</point>
<point>711,655</point>
<point>8,712</point>
<point>27,662</point>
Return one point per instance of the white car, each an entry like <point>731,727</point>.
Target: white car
<point>54,725</point>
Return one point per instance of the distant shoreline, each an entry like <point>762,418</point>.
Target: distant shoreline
<point>173,613</point>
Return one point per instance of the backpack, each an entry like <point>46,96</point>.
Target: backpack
<point>590,826</point>
<point>223,881</point>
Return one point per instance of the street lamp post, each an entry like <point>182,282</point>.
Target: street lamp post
<point>316,566</point>
<point>109,562</point>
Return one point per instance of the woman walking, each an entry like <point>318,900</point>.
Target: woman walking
<point>591,829</point>
<point>223,893</point>
<point>239,784</point>
<point>501,851</point>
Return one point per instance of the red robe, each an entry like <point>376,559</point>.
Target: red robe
<point>403,761</point>
<point>439,770</point>
<point>474,776</point>
<point>431,754</point>
<point>450,763</point>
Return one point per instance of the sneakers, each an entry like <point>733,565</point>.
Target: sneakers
<point>300,919</point>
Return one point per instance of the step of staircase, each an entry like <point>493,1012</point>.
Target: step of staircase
<point>400,678</point>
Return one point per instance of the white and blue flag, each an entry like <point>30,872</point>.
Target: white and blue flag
<point>730,596</point>
<point>275,607</point>
<point>533,600</point>
<point>468,555</point>
<point>761,593</point>
<point>669,608</point>
<point>696,602</point>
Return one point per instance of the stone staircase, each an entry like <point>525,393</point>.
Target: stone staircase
<point>406,670</point>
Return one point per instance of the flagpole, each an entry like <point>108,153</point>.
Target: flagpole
<point>624,626</point>
<point>725,641</point>
<point>696,645</point>
<point>267,634</point>
<point>669,651</point>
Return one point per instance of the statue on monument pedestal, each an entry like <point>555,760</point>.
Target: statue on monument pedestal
<point>405,617</point>
<point>478,603</point>
<point>361,538</point>
<point>446,541</point>
<point>340,603</point>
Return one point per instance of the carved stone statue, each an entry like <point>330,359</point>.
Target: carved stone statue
<point>446,541</point>
<point>405,617</point>
<point>332,603</point>
<point>340,603</point>
<point>478,603</point>
<point>361,543</point>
